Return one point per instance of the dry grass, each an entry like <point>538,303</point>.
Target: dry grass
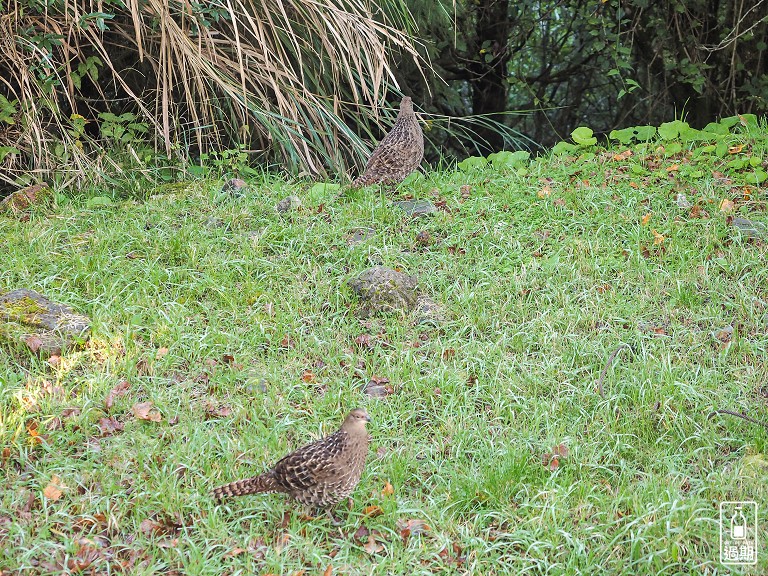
<point>286,77</point>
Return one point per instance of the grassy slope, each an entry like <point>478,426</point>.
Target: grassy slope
<point>540,291</point>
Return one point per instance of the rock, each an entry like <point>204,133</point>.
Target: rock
<point>428,312</point>
<point>20,200</point>
<point>382,289</point>
<point>749,228</point>
<point>43,326</point>
<point>287,204</point>
<point>416,208</point>
<point>360,235</point>
<point>683,202</point>
<point>235,187</point>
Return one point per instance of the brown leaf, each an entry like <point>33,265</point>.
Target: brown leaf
<point>673,168</point>
<point>234,552</point>
<point>544,192</point>
<point>228,359</point>
<point>560,450</point>
<point>361,533</point>
<point>217,411</point>
<point>388,490</point>
<point>308,376</point>
<point>657,238</point>
<point>287,342</point>
<point>70,412</point>
<point>378,388</point>
<point>109,426</point>
<point>448,353</point>
<point>372,511</point>
<point>161,352</point>
<point>559,202</point>
<point>373,546</point>
<point>735,149</point>
<point>727,205</point>
<point>364,341</point>
<point>411,527</point>
<point>645,219</point>
<point>146,411</point>
<point>54,360</point>
<point>53,490</point>
<point>33,342</point>
<point>120,390</point>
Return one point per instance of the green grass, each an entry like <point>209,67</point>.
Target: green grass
<point>538,292</point>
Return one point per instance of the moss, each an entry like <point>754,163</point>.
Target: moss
<point>25,310</point>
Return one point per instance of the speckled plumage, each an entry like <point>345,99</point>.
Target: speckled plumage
<point>319,474</point>
<point>398,154</point>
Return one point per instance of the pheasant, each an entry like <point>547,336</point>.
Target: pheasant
<point>320,474</point>
<point>398,154</point>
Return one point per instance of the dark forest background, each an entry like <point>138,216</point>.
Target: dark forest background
<point>306,88</point>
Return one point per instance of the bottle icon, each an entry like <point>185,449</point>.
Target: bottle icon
<point>738,525</point>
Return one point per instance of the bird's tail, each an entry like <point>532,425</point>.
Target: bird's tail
<point>262,483</point>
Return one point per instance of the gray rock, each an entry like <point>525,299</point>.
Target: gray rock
<point>750,229</point>
<point>45,327</point>
<point>416,208</point>
<point>428,312</point>
<point>360,235</point>
<point>683,202</point>
<point>235,187</point>
<point>381,289</point>
<point>288,203</point>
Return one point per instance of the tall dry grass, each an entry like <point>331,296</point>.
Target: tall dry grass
<point>296,80</point>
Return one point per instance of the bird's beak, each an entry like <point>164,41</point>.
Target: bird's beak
<point>367,418</point>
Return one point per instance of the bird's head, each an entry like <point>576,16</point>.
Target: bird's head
<point>356,421</point>
<point>406,106</point>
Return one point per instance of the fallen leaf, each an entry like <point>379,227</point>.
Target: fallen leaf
<point>373,546</point>
<point>673,168</point>
<point>544,192</point>
<point>372,511</point>
<point>560,450</point>
<point>456,250</point>
<point>146,411</point>
<point>388,490</point>
<point>559,202</point>
<point>378,387</point>
<point>33,342</point>
<point>411,527</point>
<point>634,185</point>
<point>228,359</point>
<point>234,552</point>
<point>287,342</point>
<point>328,570</point>
<point>364,341</point>
<point>657,238</point>
<point>109,426</point>
<point>215,411</point>
<point>121,389</point>
<point>308,376</point>
<point>54,360</point>
<point>448,353</point>
<point>361,533</point>
<point>53,490</point>
<point>645,219</point>
<point>736,149</point>
<point>727,205</point>
<point>161,352</point>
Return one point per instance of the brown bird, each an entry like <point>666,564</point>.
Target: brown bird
<point>398,154</point>
<point>320,474</point>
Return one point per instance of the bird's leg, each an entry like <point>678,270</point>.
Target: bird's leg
<point>334,521</point>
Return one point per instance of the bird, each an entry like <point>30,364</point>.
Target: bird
<point>320,474</point>
<point>398,154</point>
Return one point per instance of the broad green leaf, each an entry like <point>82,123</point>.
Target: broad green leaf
<point>97,201</point>
<point>757,177</point>
<point>583,136</point>
<point>671,130</point>
<point>472,163</point>
<point>564,148</point>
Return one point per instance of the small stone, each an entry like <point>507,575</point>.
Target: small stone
<point>428,312</point>
<point>360,235</point>
<point>749,228</point>
<point>235,187</point>
<point>683,202</point>
<point>288,203</point>
<point>43,326</point>
<point>416,208</point>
